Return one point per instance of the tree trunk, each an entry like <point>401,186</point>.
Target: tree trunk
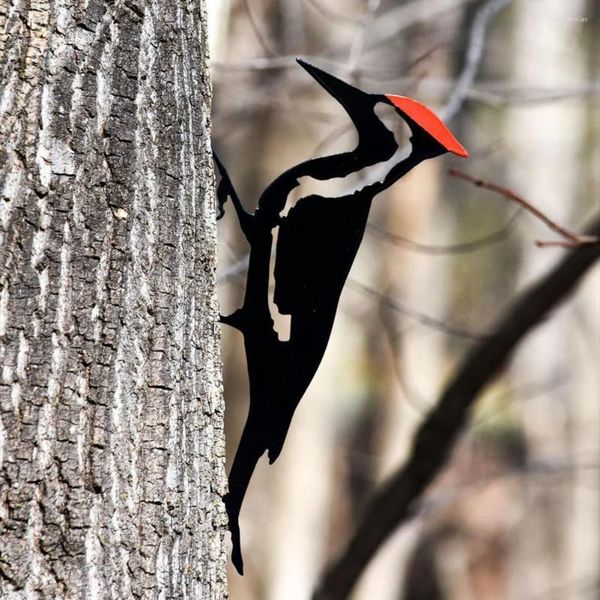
<point>548,144</point>
<point>111,437</point>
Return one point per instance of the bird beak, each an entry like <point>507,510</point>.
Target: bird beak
<point>428,122</point>
<point>351,98</point>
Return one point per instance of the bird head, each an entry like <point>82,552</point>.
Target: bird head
<point>430,137</point>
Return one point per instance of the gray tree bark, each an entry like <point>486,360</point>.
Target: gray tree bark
<point>111,437</point>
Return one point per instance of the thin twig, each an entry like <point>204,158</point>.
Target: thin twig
<point>264,41</point>
<point>473,56</point>
<point>415,315</point>
<point>325,11</point>
<point>572,240</point>
<point>461,248</point>
<point>241,266</point>
<point>360,36</point>
<point>492,92</point>
<point>397,499</point>
<point>391,23</point>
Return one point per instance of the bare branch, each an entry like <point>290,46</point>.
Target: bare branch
<point>360,38</point>
<point>261,36</point>
<point>572,240</point>
<point>461,248</point>
<point>500,94</point>
<point>325,11</point>
<point>241,266</point>
<point>411,13</point>
<point>418,316</point>
<point>473,56</point>
<point>389,25</point>
<point>494,93</point>
<point>395,501</point>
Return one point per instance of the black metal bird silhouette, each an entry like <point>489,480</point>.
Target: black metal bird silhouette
<point>316,245</point>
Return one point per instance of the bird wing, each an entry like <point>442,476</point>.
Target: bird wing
<point>316,245</point>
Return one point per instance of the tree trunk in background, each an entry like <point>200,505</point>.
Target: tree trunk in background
<point>111,437</point>
<point>410,358</point>
<point>546,139</point>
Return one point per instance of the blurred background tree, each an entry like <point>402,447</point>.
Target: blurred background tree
<point>515,512</point>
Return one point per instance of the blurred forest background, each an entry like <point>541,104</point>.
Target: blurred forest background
<point>515,514</point>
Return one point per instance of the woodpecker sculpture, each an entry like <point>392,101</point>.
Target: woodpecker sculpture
<point>316,245</point>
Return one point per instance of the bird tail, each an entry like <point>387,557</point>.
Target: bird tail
<point>252,447</point>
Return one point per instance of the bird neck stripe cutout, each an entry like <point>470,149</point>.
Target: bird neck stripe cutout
<point>430,122</point>
<point>338,187</point>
